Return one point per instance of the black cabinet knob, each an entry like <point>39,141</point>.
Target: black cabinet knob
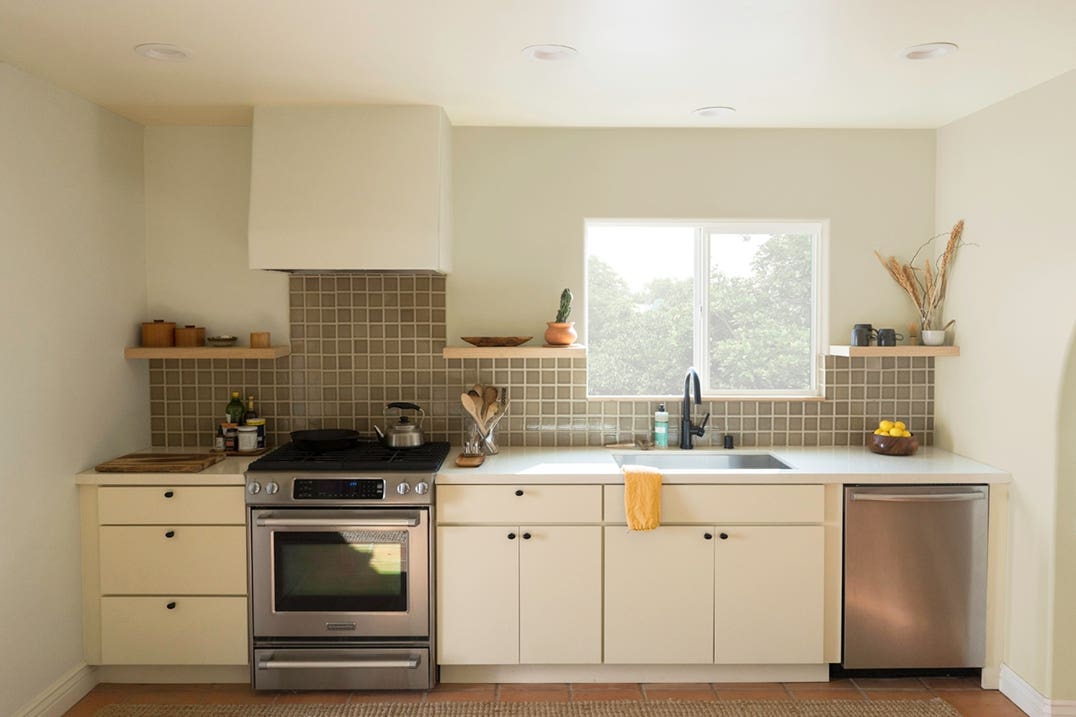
<point>519,492</point>
<point>724,536</point>
<point>169,493</point>
<point>171,606</point>
<point>511,536</point>
<point>708,536</point>
<point>170,534</point>
<point>526,536</point>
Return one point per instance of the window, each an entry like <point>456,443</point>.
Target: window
<point>737,300</point>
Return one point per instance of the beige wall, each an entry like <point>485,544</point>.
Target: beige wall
<point>73,289</point>
<point>1065,597</point>
<point>1008,171</point>
<point>197,192</point>
<point>521,195</point>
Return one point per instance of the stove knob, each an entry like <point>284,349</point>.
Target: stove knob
<point>403,489</point>
<point>271,488</point>
<point>254,487</point>
<point>422,487</point>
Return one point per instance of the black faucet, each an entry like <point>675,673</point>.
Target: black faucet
<point>687,428</point>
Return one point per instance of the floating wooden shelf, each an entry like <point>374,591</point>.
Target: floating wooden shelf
<point>491,352</point>
<point>894,350</point>
<point>205,352</point>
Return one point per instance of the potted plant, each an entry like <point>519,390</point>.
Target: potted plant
<point>561,332</point>
<point>926,285</point>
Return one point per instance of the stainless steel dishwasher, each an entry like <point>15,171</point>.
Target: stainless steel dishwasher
<point>914,576</point>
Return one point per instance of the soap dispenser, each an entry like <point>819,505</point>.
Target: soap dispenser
<point>661,427</point>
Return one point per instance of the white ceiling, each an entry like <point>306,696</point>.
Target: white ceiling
<point>781,63</point>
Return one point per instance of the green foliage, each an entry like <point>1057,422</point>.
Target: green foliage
<point>565,309</point>
<point>640,338</point>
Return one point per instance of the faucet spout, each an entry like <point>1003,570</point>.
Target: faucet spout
<point>687,428</point>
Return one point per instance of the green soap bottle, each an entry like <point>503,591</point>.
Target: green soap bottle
<point>661,427</point>
<point>235,409</point>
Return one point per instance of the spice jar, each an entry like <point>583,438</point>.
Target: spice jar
<point>248,438</point>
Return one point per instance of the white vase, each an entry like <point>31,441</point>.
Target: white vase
<point>933,337</point>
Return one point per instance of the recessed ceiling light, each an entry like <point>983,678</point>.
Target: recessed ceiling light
<point>163,51</point>
<point>715,111</point>
<point>550,53</point>
<point>928,50</point>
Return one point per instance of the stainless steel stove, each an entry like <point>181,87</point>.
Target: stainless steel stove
<point>340,567</point>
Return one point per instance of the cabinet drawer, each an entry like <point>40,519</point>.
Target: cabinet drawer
<point>196,560</point>
<point>145,505</point>
<point>729,504</point>
<point>195,631</point>
<point>519,503</point>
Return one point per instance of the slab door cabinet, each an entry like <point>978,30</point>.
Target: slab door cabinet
<point>164,575</point>
<point>519,574</point>
<point>734,575</point>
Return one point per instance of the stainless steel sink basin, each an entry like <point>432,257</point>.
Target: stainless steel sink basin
<point>688,460</point>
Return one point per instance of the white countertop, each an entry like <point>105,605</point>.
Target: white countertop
<point>226,472</point>
<point>808,465</point>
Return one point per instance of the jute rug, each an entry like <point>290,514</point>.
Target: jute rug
<point>657,708</point>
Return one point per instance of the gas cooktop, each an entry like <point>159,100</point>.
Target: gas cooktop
<point>365,456</point>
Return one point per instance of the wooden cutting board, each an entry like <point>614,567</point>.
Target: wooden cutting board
<point>160,463</point>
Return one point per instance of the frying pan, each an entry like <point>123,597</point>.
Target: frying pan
<point>324,439</point>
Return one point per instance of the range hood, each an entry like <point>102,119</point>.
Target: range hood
<point>352,188</point>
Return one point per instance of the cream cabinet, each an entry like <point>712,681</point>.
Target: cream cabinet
<point>514,591</point>
<point>360,187</point>
<point>734,575</point>
<point>164,572</point>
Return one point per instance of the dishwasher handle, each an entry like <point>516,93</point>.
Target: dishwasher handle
<point>918,497</point>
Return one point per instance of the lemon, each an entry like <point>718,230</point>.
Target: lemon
<point>896,432</point>
<point>900,425</point>
<point>885,425</point>
<point>880,432</point>
<point>906,434</point>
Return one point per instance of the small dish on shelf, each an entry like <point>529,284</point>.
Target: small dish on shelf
<point>222,340</point>
<point>487,341</point>
<point>892,445</point>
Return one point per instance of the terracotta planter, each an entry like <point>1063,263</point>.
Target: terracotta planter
<point>560,334</point>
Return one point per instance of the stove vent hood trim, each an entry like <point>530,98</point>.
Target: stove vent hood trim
<point>363,188</point>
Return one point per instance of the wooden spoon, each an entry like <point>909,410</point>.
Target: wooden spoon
<point>470,407</point>
<point>489,398</point>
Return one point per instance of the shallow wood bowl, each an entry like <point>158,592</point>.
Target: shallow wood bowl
<point>892,446</point>
<point>496,340</point>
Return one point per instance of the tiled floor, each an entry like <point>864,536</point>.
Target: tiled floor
<point>962,693</point>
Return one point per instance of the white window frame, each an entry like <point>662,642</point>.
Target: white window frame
<point>819,228</point>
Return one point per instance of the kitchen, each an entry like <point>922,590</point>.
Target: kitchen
<point>120,222</point>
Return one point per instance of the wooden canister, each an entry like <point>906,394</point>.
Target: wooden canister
<point>159,333</point>
<point>259,339</point>
<point>190,335</point>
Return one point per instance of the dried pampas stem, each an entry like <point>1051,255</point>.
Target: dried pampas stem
<point>926,286</point>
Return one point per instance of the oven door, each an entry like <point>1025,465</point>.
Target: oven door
<point>342,574</point>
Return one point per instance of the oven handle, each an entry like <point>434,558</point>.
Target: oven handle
<point>337,522</point>
<point>410,663</point>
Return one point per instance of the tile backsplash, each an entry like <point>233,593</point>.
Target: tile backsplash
<point>360,341</point>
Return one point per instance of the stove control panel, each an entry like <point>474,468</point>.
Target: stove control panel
<point>338,489</point>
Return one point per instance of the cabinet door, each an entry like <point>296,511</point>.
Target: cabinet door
<point>174,631</point>
<point>769,590</point>
<point>184,560</point>
<point>560,594</point>
<point>477,595</point>
<point>659,595</point>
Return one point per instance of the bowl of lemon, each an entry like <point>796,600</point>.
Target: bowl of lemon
<point>892,438</point>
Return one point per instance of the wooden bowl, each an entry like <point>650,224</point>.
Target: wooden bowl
<point>892,446</point>
<point>222,340</point>
<point>496,340</point>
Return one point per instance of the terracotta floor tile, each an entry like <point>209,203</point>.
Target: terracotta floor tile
<point>746,685</point>
<point>767,693</point>
<point>824,694</point>
<point>88,705</point>
<point>170,694</point>
<point>605,686</point>
<point>981,703</point>
<point>899,694</point>
<point>831,685</point>
<point>527,686</point>
<point>889,683</point>
<point>605,691</point>
<point>462,693</point>
<point>305,697</point>
<point>952,683</point>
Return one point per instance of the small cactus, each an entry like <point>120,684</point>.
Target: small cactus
<point>565,306</point>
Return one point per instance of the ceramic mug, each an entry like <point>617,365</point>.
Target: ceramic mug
<point>933,337</point>
<point>889,337</point>
<point>862,334</point>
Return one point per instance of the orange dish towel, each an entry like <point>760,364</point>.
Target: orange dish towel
<point>642,497</point>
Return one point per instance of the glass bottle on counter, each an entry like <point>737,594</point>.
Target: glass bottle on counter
<point>235,409</point>
<point>251,413</point>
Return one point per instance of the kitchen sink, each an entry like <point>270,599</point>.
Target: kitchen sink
<point>701,461</point>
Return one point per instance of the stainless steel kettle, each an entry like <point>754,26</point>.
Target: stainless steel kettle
<point>405,433</point>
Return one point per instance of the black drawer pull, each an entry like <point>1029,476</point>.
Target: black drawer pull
<point>724,536</point>
<point>170,534</point>
<point>169,493</point>
<point>511,536</point>
<point>171,606</point>
<point>708,536</point>
<point>526,536</point>
<point>519,492</point>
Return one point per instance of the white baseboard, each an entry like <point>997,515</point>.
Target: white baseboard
<point>1030,700</point>
<point>62,694</point>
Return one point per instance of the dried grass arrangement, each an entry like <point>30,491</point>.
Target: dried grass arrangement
<point>926,284</point>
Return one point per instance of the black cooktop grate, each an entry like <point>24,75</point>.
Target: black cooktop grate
<point>363,457</point>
